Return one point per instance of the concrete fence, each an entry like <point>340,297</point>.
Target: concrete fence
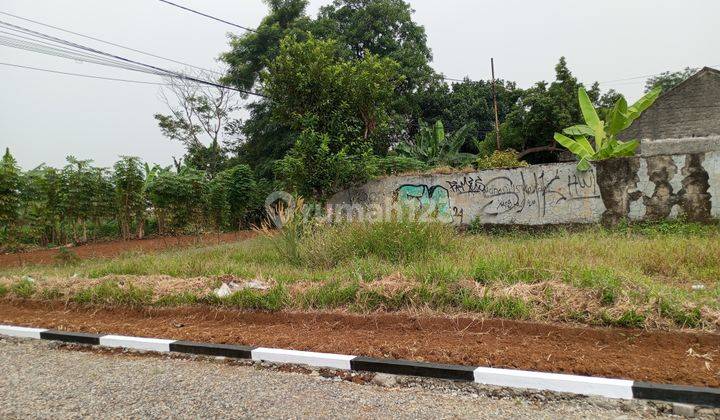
<point>646,187</point>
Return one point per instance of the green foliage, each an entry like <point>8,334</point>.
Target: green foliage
<point>129,180</point>
<point>500,159</point>
<point>4,290</point>
<point>178,198</point>
<point>112,293</point>
<point>668,80</point>
<point>394,165</point>
<point>24,288</point>
<point>394,241</point>
<point>313,169</point>
<point>538,113</point>
<point>66,256</point>
<point>435,148</point>
<point>330,296</point>
<point>10,180</point>
<point>606,144</point>
<point>315,85</point>
<point>273,300</point>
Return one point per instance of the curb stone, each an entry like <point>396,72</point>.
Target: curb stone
<point>574,384</point>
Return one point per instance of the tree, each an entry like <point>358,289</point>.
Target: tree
<point>251,52</point>
<point>668,80</point>
<point>178,198</point>
<point>383,28</point>
<point>10,177</point>
<point>470,103</point>
<point>315,86</point>
<point>539,112</point>
<point>313,169</point>
<point>77,196</point>
<point>200,114</point>
<point>130,198</point>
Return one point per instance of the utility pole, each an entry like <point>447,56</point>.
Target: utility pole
<point>497,119</point>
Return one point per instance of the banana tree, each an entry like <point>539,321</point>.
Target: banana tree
<point>434,147</point>
<point>606,144</point>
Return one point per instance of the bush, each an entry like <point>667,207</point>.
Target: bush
<point>313,169</point>
<point>395,241</point>
<point>394,165</point>
<point>24,288</point>
<point>500,159</point>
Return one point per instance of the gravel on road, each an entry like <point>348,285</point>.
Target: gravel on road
<point>40,380</point>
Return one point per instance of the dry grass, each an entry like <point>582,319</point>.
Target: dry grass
<point>639,276</point>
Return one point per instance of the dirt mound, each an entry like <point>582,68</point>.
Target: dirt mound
<point>114,248</point>
<point>657,356</point>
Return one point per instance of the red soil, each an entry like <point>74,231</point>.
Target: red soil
<point>655,356</point>
<point>114,248</point>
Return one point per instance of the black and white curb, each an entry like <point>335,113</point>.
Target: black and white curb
<point>584,385</point>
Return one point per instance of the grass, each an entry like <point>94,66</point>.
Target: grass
<point>631,276</point>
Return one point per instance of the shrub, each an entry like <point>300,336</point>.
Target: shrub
<point>393,165</point>
<point>24,288</point>
<point>500,159</point>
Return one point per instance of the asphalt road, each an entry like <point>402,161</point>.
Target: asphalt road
<point>38,380</point>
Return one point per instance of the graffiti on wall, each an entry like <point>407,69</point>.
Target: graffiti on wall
<point>425,201</point>
<point>537,191</point>
<point>636,188</point>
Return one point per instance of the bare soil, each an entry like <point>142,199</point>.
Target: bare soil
<point>690,358</point>
<point>114,248</point>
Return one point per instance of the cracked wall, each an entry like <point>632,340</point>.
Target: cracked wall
<point>636,188</point>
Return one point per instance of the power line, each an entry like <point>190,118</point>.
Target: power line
<point>128,63</point>
<point>83,75</point>
<point>108,42</point>
<point>208,16</point>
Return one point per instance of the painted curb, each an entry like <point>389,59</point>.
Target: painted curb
<point>542,381</point>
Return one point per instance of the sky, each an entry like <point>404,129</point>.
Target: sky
<point>45,117</point>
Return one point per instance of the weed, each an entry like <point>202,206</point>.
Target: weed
<point>111,293</point>
<point>4,290</point>
<point>24,288</point>
<point>66,256</point>
<point>629,319</point>
<point>178,299</point>
<point>51,294</point>
<point>273,300</point>
<point>684,318</point>
<point>330,295</point>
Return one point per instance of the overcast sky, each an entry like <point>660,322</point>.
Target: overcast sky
<point>44,117</point>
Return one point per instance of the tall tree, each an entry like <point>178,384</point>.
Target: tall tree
<point>9,192</point>
<point>539,112</point>
<point>200,115</point>
<point>384,28</point>
<point>314,85</point>
<point>130,196</point>
<point>251,52</point>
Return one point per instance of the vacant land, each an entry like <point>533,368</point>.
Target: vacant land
<point>665,275</point>
<point>114,248</point>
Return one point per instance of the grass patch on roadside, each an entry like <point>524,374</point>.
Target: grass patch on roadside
<point>632,276</point>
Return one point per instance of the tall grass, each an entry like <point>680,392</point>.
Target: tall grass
<point>627,276</point>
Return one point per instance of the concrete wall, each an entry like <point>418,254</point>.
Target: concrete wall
<point>691,109</point>
<point>637,188</point>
